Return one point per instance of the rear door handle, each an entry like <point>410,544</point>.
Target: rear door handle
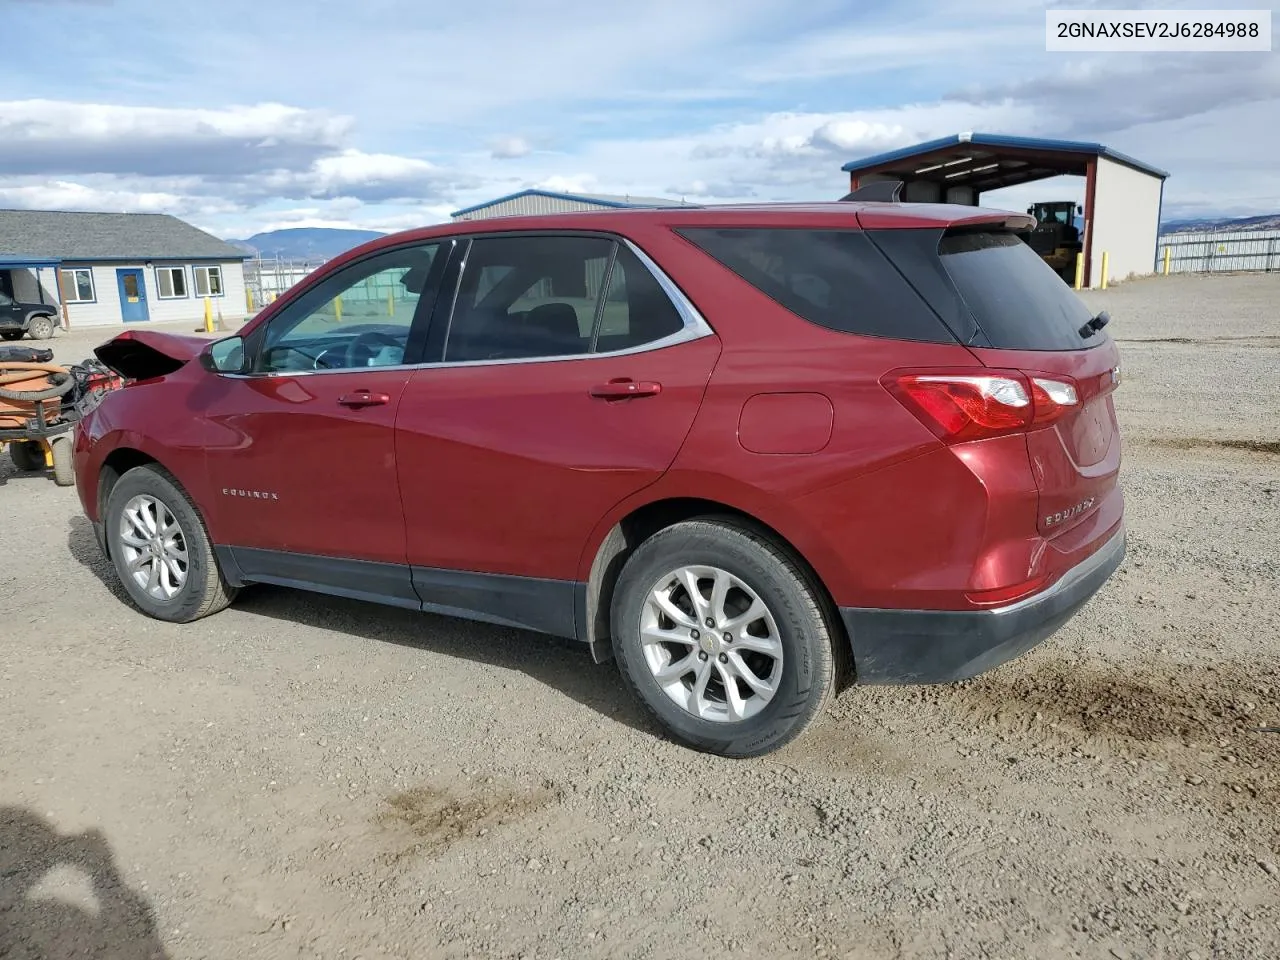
<point>622,389</point>
<point>363,398</point>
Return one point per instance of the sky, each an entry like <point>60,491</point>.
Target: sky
<point>242,117</point>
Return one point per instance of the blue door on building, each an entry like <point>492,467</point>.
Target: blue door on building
<point>133,295</point>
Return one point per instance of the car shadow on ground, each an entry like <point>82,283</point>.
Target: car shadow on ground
<point>61,896</point>
<point>564,665</point>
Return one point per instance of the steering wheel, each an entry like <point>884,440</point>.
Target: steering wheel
<point>364,345</point>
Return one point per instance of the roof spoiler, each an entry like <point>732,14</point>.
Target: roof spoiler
<point>877,191</point>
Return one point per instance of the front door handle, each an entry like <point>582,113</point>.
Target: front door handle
<point>622,389</point>
<point>363,398</point>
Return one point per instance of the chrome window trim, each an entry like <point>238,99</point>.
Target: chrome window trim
<point>695,328</point>
<point>688,312</point>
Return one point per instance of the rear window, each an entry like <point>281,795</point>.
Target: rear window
<point>1016,298</point>
<point>834,278</point>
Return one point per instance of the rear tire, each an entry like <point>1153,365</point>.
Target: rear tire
<point>41,328</point>
<point>64,471</point>
<point>27,455</point>
<point>738,687</point>
<point>11,334</point>
<point>161,549</point>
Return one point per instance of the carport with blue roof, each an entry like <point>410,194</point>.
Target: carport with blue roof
<point>1122,198</point>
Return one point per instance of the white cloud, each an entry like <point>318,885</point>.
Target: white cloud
<point>368,176</point>
<point>572,183</point>
<point>61,137</point>
<point>510,148</point>
<point>110,196</point>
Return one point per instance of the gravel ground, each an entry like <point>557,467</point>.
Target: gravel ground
<point>306,777</point>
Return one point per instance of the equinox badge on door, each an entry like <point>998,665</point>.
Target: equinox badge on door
<point>251,494</point>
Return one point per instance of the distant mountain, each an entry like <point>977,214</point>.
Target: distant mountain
<point>1270,221</point>
<point>311,243</point>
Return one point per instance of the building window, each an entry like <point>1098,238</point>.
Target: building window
<point>208,281</point>
<point>76,285</point>
<point>172,282</point>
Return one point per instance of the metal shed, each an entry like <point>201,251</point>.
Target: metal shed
<point>535,202</point>
<point>1122,199</point>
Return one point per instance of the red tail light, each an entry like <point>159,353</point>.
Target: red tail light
<point>1052,397</point>
<point>976,404</point>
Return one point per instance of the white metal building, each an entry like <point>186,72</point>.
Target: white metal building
<point>1122,197</point>
<point>110,268</point>
<point>534,202</point>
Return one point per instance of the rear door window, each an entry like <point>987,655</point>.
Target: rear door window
<point>1015,297</point>
<point>540,296</point>
<point>526,297</point>
<point>834,278</point>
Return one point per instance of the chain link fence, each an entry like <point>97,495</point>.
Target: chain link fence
<point>266,278</point>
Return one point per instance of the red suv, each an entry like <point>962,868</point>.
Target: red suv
<point>747,452</point>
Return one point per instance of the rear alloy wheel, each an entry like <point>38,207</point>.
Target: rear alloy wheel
<point>723,637</point>
<point>40,328</point>
<point>160,549</point>
<point>711,643</point>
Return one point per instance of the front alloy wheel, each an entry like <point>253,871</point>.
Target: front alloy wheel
<point>153,547</point>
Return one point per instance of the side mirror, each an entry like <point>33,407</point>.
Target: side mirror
<point>225,356</point>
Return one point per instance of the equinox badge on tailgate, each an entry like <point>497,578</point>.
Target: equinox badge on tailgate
<point>1070,512</point>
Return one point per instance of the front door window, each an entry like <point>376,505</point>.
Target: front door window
<point>358,318</point>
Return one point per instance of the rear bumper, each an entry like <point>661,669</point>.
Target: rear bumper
<point>941,646</point>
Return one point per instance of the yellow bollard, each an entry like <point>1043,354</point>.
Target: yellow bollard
<point>337,309</point>
<point>248,298</point>
<point>1106,263</point>
<point>272,298</point>
<point>391,303</point>
<point>1079,271</point>
<point>208,315</point>
<point>1167,252</point>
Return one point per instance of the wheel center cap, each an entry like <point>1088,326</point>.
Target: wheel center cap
<point>709,643</point>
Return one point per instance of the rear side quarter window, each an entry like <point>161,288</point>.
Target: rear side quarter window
<point>836,279</point>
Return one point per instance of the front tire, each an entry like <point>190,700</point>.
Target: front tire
<point>41,328</point>
<point>11,334</point>
<point>723,638</point>
<point>161,550</point>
